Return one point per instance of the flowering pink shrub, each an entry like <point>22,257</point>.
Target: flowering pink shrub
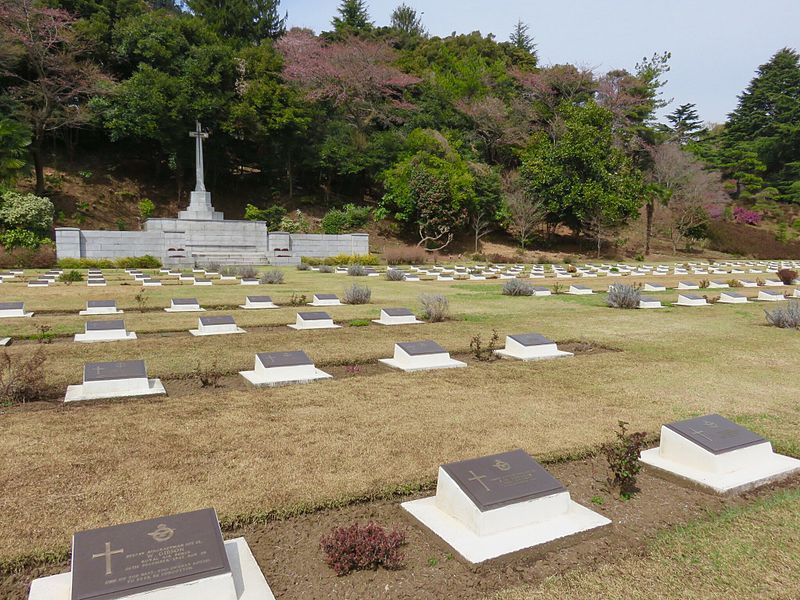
<point>360,547</point>
<point>746,217</point>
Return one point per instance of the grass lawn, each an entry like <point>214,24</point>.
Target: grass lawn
<point>746,552</point>
<point>257,453</point>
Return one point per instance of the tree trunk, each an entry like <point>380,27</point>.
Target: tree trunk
<point>38,164</point>
<point>648,232</point>
<point>289,174</point>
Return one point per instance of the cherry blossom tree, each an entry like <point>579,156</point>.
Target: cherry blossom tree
<point>41,57</point>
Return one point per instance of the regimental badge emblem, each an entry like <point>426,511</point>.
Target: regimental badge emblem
<point>501,465</point>
<point>162,533</point>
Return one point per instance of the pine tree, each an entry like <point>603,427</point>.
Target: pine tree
<point>406,20</point>
<point>686,123</point>
<point>522,39</point>
<point>242,20</point>
<point>353,17</point>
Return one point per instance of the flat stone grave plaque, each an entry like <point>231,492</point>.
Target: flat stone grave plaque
<point>314,316</point>
<point>283,359</point>
<point>11,305</point>
<point>119,561</point>
<point>734,295</point>
<point>540,288</point>
<point>105,325</point>
<point>398,312</point>
<point>648,299</point>
<point>259,299</point>
<point>421,348</point>
<point>716,434</point>
<point>184,301</point>
<point>692,296</point>
<point>202,280</point>
<point>101,303</point>
<point>326,296</point>
<point>580,287</point>
<point>502,479</point>
<point>531,339</point>
<point>126,369</point>
<point>220,320</point>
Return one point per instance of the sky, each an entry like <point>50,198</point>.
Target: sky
<point>716,45</point>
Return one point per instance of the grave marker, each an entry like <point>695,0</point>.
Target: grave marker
<point>421,356</point>
<point>114,380</point>
<point>281,368</point>
<point>530,346</point>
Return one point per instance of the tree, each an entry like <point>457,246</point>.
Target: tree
<point>487,211</point>
<point>431,189</point>
<point>686,123</point>
<point>688,193</point>
<point>522,39</point>
<point>353,18</point>
<point>50,81</point>
<point>406,21</point>
<point>242,21</point>
<point>525,213</point>
<point>15,138</point>
<point>584,180</point>
<point>766,120</point>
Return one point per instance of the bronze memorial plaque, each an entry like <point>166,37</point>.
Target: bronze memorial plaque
<point>114,562</point>
<point>716,434</point>
<point>501,479</point>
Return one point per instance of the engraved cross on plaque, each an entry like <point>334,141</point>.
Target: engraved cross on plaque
<point>701,433</point>
<point>199,136</point>
<point>479,479</point>
<point>108,554</point>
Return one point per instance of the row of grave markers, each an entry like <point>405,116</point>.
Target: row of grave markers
<point>122,379</point>
<point>483,508</point>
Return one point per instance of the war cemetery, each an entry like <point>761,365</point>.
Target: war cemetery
<point>386,311</point>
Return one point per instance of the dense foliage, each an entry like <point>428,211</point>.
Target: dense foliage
<point>447,137</point>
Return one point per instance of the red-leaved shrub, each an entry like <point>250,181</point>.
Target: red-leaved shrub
<point>406,256</point>
<point>787,276</point>
<point>360,547</point>
<point>27,258</point>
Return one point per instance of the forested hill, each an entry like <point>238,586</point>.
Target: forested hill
<point>441,138</point>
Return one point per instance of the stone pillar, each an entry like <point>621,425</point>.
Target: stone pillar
<point>68,242</point>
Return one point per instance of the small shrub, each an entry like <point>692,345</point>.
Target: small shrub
<point>86,263</point>
<point>501,259</point>
<point>360,547</point>
<point>312,261</point>
<point>787,276</point>
<point>28,258</point>
<point>70,277</point>
<point>406,256</point>
<point>573,269</point>
<point>484,354</point>
<point>146,208</point>
<point>517,287</point>
<point>45,336</point>
<point>247,272</point>
<point>21,211</point>
<point>623,459</point>
<point>356,271</point>
<point>141,298</point>
<point>704,283</point>
<point>297,300</point>
<point>22,378</point>
<point>353,259</point>
<point>623,296</point>
<point>274,276</point>
<point>557,288</point>
<point>138,262</point>
<point>357,294</point>
<point>435,307</point>
<point>359,323</point>
<point>760,282</point>
<point>303,267</point>
<point>209,376</point>
<point>345,219</point>
<point>326,269</point>
<point>21,238</point>
<point>334,221</point>
<point>734,283</point>
<point>395,275</point>
<point>746,217</point>
<point>785,317</point>
<point>272,215</point>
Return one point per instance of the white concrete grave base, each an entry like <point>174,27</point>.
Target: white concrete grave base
<point>5,341</point>
<point>244,582</point>
<point>248,305</point>
<point>100,310</point>
<point>517,351</point>
<point>113,335</point>
<point>10,314</point>
<point>115,388</point>
<point>216,330</point>
<point>185,308</point>
<point>650,303</point>
<point>323,302</point>
<point>386,319</point>
<point>480,536</point>
<point>276,376</point>
<point>424,362</point>
<point>727,473</point>
<point>689,301</point>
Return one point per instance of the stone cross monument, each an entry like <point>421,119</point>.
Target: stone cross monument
<point>200,208</point>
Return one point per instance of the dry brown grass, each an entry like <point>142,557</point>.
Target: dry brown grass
<point>747,552</point>
<point>250,452</point>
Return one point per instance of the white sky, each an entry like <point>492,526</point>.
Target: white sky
<point>716,45</point>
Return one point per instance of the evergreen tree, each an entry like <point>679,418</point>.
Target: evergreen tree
<point>353,17</point>
<point>686,123</point>
<point>522,39</point>
<point>407,21</point>
<point>241,20</point>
